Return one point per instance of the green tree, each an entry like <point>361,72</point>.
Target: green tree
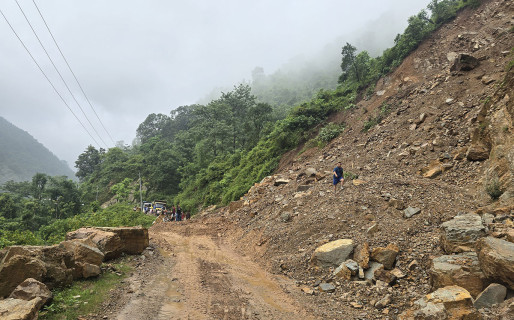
<point>22,189</point>
<point>152,126</point>
<point>443,10</point>
<point>121,190</point>
<point>348,61</point>
<point>39,181</point>
<point>8,207</point>
<point>64,196</point>
<point>88,162</point>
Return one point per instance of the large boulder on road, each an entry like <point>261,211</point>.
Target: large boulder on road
<point>18,309</point>
<point>16,269</point>
<point>51,265</point>
<point>114,241</point>
<point>32,289</point>
<point>134,239</point>
<point>108,242</point>
<point>87,257</point>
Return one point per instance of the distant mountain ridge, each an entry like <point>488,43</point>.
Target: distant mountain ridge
<point>22,156</point>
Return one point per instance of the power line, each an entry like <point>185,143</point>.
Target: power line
<point>48,79</point>
<point>69,67</point>
<point>59,73</point>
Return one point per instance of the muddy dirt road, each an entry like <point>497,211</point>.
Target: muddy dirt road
<point>198,276</point>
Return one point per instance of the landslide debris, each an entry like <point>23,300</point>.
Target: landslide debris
<point>443,150</point>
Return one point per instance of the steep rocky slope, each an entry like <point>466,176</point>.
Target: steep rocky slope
<point>444,146</point>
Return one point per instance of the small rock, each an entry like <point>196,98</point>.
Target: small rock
<point>311,172</point>
<point>487,80</point>
<point>361,273</point>
<point>342,272</point>
<point>352,265</point>
<point>397,204</point>
<point>308,290</point>
<point>398,273</point>
<point>385,276</point>
<point>361,255</point>
<point>281,181</point>
<point>370,273</point>
<point>327,287</point>
<point>410,211</point>
<point>384,302</point>
<point>371,230</point>
<point>285,217</point>
<point>412,265</point>
<point>303,188</point>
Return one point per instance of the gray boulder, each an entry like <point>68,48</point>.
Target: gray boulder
<point>332,254</point>
<point>494,294</point>
<point>464,62</point>
<point>461,233</point>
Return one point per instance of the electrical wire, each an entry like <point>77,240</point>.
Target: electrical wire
<point>59,73</point>
<point>48,79</point>
<point>73,73</point>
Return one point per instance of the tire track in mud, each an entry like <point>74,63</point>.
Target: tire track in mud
<point>202,278</point>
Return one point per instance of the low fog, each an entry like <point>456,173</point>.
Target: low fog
<point>134,58</point>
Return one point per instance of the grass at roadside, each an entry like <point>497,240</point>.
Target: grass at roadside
<point>85,296</point>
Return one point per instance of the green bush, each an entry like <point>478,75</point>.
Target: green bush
<point>493,189</point>
<point>329,132</point>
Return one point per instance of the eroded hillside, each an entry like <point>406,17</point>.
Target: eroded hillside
<point>444,141</point>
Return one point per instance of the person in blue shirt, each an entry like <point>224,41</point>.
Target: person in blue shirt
<point>337,176</point>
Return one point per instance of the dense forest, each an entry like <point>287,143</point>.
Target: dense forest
<point>22,156</point>
<point>207,154</point>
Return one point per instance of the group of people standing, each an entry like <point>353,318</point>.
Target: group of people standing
<point>176,214</point>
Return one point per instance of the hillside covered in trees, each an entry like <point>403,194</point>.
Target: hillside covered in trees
<point>22,156</point>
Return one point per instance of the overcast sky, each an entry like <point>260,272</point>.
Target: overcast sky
<point>134,58</point>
